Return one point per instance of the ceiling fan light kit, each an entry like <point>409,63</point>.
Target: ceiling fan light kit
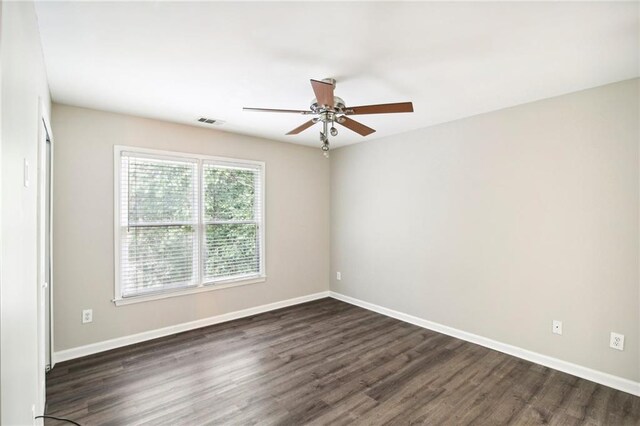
<point>330,109</point>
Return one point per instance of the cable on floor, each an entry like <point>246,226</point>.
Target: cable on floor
<point>58,418</point>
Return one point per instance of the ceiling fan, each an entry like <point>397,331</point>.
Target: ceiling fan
<point>330,109</point>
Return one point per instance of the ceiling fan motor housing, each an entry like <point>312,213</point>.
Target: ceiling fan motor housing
<point>338,106</point>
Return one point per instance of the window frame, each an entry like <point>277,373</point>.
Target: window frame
<point>202,283</point>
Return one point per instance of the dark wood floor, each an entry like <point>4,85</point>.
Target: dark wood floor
<point>324,362</point>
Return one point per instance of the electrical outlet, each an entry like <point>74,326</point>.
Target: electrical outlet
<point>557,327</point>
<point>87,315</point>
<point>617,341</point>
<point>338,276</point>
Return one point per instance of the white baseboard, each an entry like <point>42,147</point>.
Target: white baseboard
<point>606,379</point>
<point>118,342</point>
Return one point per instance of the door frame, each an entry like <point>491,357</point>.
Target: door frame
<point>44,137</point>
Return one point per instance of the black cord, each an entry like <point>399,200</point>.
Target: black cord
<point>58,418</point>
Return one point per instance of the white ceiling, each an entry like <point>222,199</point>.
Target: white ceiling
<point>179,61</point>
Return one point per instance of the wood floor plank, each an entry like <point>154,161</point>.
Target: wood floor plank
<point>320,363</point>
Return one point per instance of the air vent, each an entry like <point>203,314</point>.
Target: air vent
<point>213,121</point>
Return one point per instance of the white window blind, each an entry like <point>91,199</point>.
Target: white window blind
<point>159,223</point>
<point>232,220</point>
<point>186,222</point>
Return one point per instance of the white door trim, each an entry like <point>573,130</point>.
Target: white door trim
<point>44,137</point>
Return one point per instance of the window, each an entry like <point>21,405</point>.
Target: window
<point>186,223</point>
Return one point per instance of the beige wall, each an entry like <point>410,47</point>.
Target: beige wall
<point>500,223</point>
<point>23,89</point>
<point>297,223</point>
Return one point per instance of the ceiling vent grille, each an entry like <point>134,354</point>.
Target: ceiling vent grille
<point>213,121</point>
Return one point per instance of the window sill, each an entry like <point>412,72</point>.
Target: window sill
<point>183,292</point>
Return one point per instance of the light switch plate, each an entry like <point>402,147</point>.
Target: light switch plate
<point>26,173</point>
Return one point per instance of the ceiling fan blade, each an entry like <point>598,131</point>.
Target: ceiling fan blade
<point>295,111</point>
<point>380,108</point>
<point>324,92</point>
<point>359,128</point>
<point>302,127</point>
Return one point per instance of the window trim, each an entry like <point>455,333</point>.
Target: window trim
<point>203,285</point>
